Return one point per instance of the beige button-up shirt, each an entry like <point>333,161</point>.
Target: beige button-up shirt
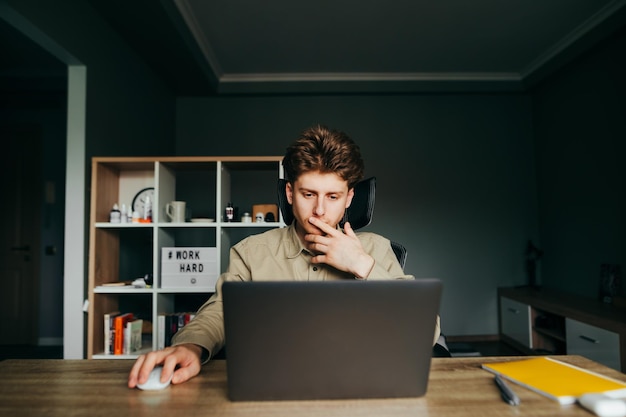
<point>278,255</point>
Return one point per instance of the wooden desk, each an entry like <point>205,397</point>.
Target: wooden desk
<point>457,387</point>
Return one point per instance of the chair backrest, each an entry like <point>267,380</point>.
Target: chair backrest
<point>400,252</point>
<point>359,214</point>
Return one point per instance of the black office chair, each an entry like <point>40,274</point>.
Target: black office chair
<point>359,214</point>
<point>400,252</point>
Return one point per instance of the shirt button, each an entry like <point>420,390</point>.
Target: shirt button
<point>314,268</point>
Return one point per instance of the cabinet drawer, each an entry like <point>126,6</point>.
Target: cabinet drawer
<point>592,342</point>
<point>515,321</point>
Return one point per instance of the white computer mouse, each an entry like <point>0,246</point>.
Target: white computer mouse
<point>603,405</point>
<point>154,381</point>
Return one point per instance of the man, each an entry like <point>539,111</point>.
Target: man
<point>321,167</point>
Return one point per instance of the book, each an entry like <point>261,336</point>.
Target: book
<point>120,325</point>
<point>557,380</point>
<point>160,331</point>
<point>132,336</point>
<point>108,332</point>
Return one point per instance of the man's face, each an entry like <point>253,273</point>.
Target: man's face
<point>313,194</point>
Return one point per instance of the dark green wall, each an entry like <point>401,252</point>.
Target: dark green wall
<point>455,173</point>
<point>579,120</point>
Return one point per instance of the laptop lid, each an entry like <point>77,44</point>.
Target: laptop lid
<point>294,340</point>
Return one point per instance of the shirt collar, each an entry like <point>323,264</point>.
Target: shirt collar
<point>294,246</point>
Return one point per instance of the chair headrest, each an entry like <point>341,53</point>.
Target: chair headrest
<point>359,214</point>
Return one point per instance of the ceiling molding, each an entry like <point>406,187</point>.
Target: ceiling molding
<point>337,83</point>
<point>370,77</point>
<point>572,38</point>
<point>198,35</point>
<point>367,83</point>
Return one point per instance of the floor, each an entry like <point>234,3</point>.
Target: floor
<point>488,348</point>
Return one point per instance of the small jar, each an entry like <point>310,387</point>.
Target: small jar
<point>246,218</point>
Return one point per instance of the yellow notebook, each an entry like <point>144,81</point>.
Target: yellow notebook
<point>555,379</point>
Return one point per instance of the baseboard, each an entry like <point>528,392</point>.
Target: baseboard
<point>50,341</point>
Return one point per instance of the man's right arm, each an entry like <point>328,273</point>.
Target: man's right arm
<point>204,334</point>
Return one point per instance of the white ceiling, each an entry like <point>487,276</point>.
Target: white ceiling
<point>206,47</point>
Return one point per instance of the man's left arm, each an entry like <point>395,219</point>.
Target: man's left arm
<point>386,265</point>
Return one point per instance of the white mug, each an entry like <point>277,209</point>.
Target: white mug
<point>175,210</point>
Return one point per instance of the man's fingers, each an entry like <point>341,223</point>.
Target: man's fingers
<point>321,225</point>
<point>134,372</point>
<point>169,366</point>
<point>184,374</point>
<point>347,228</point>
<point>144,365</point>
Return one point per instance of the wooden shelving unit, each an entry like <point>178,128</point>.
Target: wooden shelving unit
<point>126,251</point>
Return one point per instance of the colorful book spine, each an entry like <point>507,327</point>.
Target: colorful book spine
<point>132,336</point>
<point>120,325</point>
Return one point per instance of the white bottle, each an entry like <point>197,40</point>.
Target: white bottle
<point>123,214</point>
<point>230,212</point>
<point>115,215</point>
<point>147,214</point>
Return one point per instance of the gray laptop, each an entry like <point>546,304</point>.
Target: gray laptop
<point>293,340</point>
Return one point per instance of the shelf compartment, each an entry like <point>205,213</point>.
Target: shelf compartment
<point>117,183</point>
<point>194,183</point>
<point>173,237</point>
<point>139,303</point>
<point>548,332</point>
<point>247,183</point>
<point>551,333</point>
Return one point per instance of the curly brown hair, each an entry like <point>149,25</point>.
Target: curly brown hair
<point>325,150</point>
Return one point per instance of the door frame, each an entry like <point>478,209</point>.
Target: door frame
<point>74,273</point>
